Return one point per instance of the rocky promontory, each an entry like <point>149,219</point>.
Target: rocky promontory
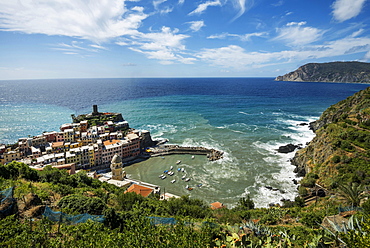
<point>339,72</point>
<point>340,151</point>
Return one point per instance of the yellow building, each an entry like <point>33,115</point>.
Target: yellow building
<point>10,156</point>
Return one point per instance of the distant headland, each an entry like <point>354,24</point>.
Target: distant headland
<point>333,72</point>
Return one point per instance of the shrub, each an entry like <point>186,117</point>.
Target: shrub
<point>82,204</point>
<point>335,159</point>
<point>308,182</point>
<point>312,219</point>
<point>302,191</point>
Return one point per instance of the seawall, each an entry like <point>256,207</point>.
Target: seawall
<point>211,154</point>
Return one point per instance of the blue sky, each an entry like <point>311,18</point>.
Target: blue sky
<point>177,38</point>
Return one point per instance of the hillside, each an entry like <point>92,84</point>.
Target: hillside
<point>340,152</point>
<point>44,207</point>
<point>340,72</point>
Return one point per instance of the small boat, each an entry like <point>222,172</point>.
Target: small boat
<point>189,188</point>
<point>200,185</point>
<point>183,177</point>
<point>179,169</point>
<point>171,167</point>
<point>166,171</point>
<point>178,162</point>
<point>164,177</point>
<point>187,179</point>
<point>192,157</point>
<point>182,169</point>
<point>174,180</point>
<point>160,176</point>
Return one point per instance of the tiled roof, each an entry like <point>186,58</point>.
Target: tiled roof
<point>217,205</point>
<point>140,190</point>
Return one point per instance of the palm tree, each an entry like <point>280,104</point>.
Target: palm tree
<point>352,193</point>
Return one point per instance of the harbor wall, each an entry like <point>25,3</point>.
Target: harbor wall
<point>211,154</point>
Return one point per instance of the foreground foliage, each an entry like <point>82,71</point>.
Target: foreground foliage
<point>127,223</point>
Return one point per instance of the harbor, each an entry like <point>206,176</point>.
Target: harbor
<point>187,178</point>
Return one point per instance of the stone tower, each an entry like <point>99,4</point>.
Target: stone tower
<point>116,167</point>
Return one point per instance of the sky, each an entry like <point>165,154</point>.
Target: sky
<point>45,39</point>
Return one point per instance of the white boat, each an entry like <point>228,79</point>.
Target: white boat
<point>182,169</point>
<point>183,177</point>
<point>187,186</point>
<point>178,162</point>
<point>187,179</point>
<point>174,180</point>
<point>160,176</point>
<point>164,177</point>
<point>171,167</point>
<point>192,157</point>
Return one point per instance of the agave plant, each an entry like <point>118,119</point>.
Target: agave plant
<point>353,224</point>
<point>258,229</point>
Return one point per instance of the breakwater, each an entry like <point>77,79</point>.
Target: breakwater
<point>163,150</point>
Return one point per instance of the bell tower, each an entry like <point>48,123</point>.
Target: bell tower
<point>116,167</point>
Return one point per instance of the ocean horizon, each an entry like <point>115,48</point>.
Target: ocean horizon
<point>246,118</point>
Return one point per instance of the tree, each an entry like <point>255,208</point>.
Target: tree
<point>352,193</point>
<point>245,203</point>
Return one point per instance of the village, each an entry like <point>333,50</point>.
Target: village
<point>100,143</point>
<point>80,143</point>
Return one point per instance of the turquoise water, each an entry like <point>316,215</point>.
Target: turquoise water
<point>247,119</point>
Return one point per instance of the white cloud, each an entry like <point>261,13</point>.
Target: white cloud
<point>346,9</point>
<point>242,37</point>
<point>296,23</point>
<point>357,33</point>
<point>156,3</point>
<point>98,47</point>
<point>296,35</point>
<point>165,46</point>
<point>236,57</point>
<point>96,20</point>
<point>242,6</point>
<point>203,7</point>
<point>195,26</point>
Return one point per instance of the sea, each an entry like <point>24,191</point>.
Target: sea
<point>246,118</point>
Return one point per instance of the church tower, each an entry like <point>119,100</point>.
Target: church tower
<point>116,167</point>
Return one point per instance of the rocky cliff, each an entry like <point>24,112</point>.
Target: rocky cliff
<point>341,72</point>
<point>340,151</point>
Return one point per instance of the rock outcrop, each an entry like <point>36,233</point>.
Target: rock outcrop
<point>287,148</point>
<point>340,72</point>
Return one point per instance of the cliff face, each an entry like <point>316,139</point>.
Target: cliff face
<point>340,151</point>
<point>341,72</point>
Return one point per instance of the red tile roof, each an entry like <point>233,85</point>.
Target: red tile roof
<point>140,190</point>
<point>217,205</point>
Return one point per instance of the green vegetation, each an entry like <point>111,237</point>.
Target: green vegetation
<point>126,223</point>
<point>338,158</point>
<point>340,152</point>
